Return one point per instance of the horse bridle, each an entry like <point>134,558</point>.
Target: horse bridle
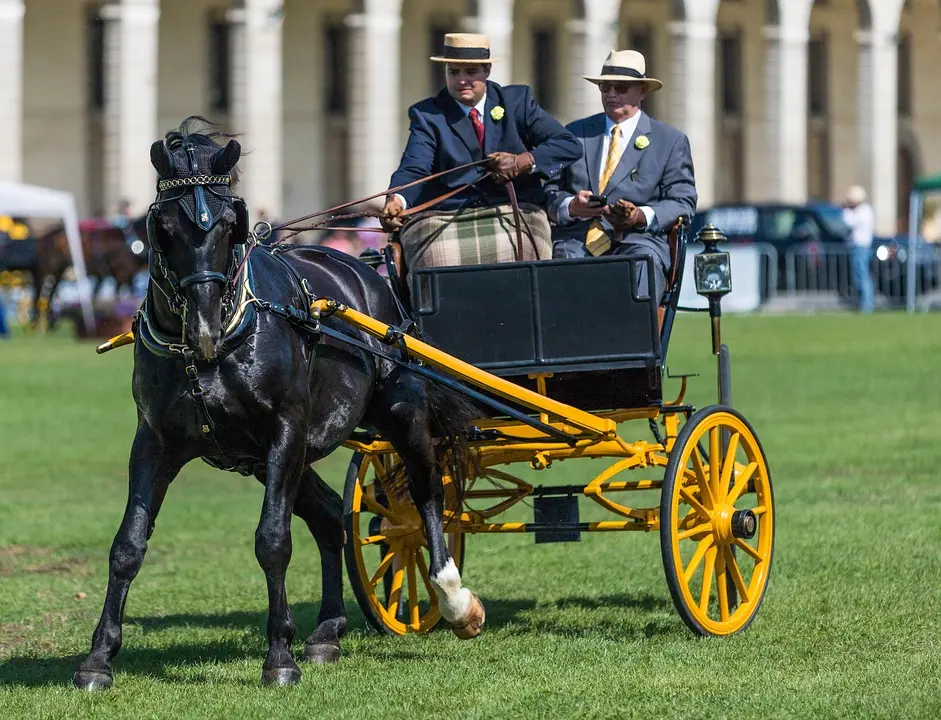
<point>205,219</point>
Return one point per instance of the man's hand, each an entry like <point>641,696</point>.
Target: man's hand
<point>506,166</point>
<point>583,207</point>
<point>625,215</point>
<point>389,218</point>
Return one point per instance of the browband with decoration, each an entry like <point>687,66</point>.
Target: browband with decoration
<point>197,180</point>
<point>629,72</point>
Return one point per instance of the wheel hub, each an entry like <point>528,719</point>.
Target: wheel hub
<point>744,524</point>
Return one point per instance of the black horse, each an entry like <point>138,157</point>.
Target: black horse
<point>222,372</point>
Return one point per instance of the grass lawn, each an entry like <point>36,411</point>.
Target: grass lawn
<point>848,409</point>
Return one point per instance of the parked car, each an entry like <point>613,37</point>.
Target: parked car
<point>804,231</point>
<point>890,267</point>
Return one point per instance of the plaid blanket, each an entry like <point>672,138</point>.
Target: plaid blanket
<point>475,236</point>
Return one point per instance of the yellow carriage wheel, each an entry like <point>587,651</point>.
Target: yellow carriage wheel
<point>717,522</point>
<point>386,551</point>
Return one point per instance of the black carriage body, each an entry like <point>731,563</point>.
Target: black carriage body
<point>583,323</point>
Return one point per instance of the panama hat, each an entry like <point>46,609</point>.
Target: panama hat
<point>856,194</point>
<point>625,66</point>
<point>465,49</point>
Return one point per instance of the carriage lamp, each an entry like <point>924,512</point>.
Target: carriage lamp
<point>712,272</point>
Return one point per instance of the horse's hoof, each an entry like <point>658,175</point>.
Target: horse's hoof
<point>91,681</point>
<point>472,623</point>
<point>322,653</point>
<point>281,676</point>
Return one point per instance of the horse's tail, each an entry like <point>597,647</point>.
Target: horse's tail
<point>451,415</point>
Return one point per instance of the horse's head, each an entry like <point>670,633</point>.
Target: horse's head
<point>193,227</point>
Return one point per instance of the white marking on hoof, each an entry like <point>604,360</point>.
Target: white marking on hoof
<point>454,601</point>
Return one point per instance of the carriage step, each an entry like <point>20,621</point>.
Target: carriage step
<point>557,510</point>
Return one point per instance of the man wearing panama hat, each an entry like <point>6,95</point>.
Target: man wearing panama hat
<point>474,119</point>
<point>641,168</point>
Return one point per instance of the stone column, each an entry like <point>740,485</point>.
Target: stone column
<point>692,95</point>
<point>11,90</point>
<point>786,103</point>
<point>130,118</point>
<point>495,20</point>
<point>256,102</point>
<point>374,112</point>
<point>592,38</point>
<point>878,115</point>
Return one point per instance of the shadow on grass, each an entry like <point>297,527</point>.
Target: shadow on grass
<point>516,617</point>
<point>163,663</point>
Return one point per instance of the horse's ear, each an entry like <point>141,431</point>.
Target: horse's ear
<point>226,158</point>
<point>161,160</point>
<point>240,229</point>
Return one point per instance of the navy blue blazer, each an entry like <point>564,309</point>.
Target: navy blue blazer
<point>441,136</point>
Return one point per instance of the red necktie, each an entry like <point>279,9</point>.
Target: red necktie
<point>478,126</point>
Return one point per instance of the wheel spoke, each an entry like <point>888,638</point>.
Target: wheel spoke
<point>396,592</point>
<point>732,567</point>
<point>749,549</point>
<point>725,481</point>
<point>370,501</point>
<point>760,510</point>
<point>741,483</point>
<point>372,540</point>
<point>703,527</point>
<point>704,489</point>
<point>692,501</point>
<point>715,463</point>
<point>704,545</point>
<point>412,589</point>
<point>423,571</point>
<point>383,567</point>
<point>707,581</point>
<point>722,587</point>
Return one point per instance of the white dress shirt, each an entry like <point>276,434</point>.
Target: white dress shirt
<point>862,220</point>
<point>627,132</point>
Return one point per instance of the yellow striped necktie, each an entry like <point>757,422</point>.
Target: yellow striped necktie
<point>597,241</point>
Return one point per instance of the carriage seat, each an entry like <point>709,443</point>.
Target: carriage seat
<point>583,324</point>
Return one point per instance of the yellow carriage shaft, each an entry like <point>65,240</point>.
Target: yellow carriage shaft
<point>579,419</point>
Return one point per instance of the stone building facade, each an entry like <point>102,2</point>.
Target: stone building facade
<point>789,100</point>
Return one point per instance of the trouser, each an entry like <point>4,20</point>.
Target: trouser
<point>863,276</point>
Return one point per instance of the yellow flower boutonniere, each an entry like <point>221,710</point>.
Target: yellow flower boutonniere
<point>497,113</point>
<point>641,142</point>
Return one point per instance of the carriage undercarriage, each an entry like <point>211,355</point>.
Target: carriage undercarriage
<point>715,513</point>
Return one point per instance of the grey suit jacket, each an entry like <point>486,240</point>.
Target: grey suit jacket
<point>659,176</point>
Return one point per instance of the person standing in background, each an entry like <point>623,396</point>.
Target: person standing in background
<point>860,217</point>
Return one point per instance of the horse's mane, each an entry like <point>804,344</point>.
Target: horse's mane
<point>202,132</point>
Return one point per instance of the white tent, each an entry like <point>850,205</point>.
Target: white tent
<point>33,201</point>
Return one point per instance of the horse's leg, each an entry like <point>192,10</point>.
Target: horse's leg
<point>273,546</point>
<point>152,470</point>
<point>321,508</point>
<point>400,413</point>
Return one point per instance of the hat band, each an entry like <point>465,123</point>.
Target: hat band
<point>628,72</point>
<point>470,53</point>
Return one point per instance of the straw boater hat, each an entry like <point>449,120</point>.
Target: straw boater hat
<point>465,49</point>
<point>625,66</point>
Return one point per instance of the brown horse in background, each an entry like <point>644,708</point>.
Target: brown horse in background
<point>106,252</point>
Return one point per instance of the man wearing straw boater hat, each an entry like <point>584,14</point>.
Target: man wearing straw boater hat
<point>474,119</point>
<point>634,177</point>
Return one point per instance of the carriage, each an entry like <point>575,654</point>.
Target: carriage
<point>566,354</point>
<point>552,360</point>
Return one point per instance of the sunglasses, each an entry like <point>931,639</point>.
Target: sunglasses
<point>618,87</point>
